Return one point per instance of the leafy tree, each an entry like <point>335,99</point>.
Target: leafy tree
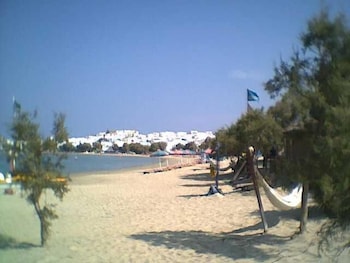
<point>97,147</point>
<point>36,170</point>
<point>125,148</point>
<point>116,148</point>
<point>179,146</point>
<point>154,147</point>
<point>316,86</point>
<point>227,140</point>
<point>138,148</point>
<point>162,145</point>
<point>67,147</point>
<point>191,146</point>
<point>50,143</point>
<point>59,130</point>
<point>253,128</point>
<point>157,146</point>
<point>206,144</point>
<point>84,147</point>
<point>12,150</point>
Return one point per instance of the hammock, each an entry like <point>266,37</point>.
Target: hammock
<point>290,201</point>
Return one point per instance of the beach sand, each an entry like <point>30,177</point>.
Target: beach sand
<point>157,217</point>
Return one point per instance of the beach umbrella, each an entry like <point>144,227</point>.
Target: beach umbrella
<point>159,153</point>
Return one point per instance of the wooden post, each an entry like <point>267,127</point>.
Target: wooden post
<point>251,171</point>
<point>217,167</point>
<point>304,207</point>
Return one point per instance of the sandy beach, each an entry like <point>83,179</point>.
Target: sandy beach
<point>157,217</point>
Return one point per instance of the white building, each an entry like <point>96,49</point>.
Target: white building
<point>120,137</point>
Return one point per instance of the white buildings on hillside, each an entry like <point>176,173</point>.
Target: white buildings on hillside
<point>119,137</point>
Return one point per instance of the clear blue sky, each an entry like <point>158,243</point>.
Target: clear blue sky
<point>175,65</point>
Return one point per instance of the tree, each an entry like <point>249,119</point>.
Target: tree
<point>226,137</point>
<point>316,85</point>
<point>59,130</point>
<point>96,147</point>
<point>253,128</point>
<point>138,148</point>
<point>84,147</point>
<point>179,146</point>
<point>36,169</point>
<point>157,146</point>
<point>125,148</point>
<point>116,148</point>
<point>191,146</point>
<point>206,144</point>
<point>67,147</point>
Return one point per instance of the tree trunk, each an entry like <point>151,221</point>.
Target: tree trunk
<point>304,207</point>
<point>42,231</point>
<point>42,223</point>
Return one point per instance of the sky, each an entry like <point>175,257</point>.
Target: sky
<point>151,66</point>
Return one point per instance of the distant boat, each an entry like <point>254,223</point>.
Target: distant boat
<point>159,153</point>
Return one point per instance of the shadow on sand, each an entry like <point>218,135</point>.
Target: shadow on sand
<point>202,177</point>
<point>205,181</point>
<point>238,244</point>
<point>230,245</point>
<point>7,242</point>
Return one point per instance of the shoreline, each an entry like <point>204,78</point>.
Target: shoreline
<point>129,155</point>
<point>166,162</point>
<point>107,154</point>
<point>82,178</point>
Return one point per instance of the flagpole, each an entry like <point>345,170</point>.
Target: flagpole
<point>252,96</point>
<point>247,100</point>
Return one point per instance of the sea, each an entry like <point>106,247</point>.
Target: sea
<point>91,163</point>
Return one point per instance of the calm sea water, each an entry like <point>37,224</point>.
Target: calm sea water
<point>88,163</point>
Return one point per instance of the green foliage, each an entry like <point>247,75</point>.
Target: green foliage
<point>162,146</point>
<point>191,146</point>
<point>333,152</point>
<point>125,148</point>
<point>332,233</point>
<point>138,148</point>
<point>188,146</point>
<point>67,147</point>
<point>206,144</point>
<point>59,130</point>
<point>179,146</point>
<point>49,144</point>
<point>254,128</point>
<point>226,137</point>
<point>315,97</point>
<point>157,146</point>
<point>96,147</point>
<point>37,169</point>
<point>84,147</point>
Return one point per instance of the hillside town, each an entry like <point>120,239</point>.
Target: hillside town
<point>109,139</point>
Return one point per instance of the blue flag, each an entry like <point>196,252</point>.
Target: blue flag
<point>252,96</point>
